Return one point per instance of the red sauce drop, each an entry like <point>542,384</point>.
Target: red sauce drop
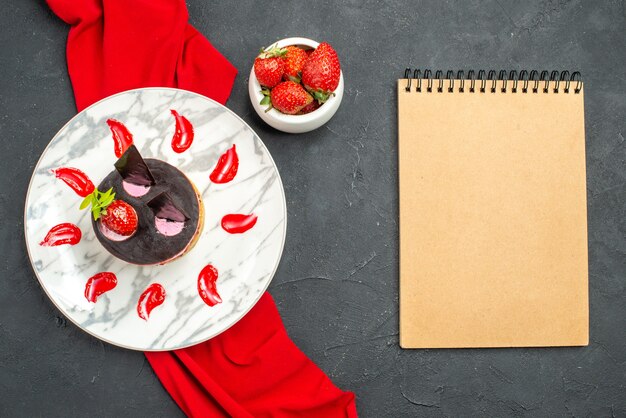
<point>60,234</point>
<point>76,179</point>
<point>237,223</point>
<point>183,136</point>
<point>122,138</point>
<point>99,284</point>
<point>152,297</point>
<point>226,168</point>
<point>206,286</point>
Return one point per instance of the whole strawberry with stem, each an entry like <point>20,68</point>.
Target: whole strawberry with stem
<point>321,72</point>
<point>269,66</point>
<point>289,97</point>
<point>117,215</point>
<point>295,58</point>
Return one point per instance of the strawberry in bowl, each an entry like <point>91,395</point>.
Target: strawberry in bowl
<point>311,86</point>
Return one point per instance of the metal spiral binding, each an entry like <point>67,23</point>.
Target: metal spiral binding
<point>531,82</point>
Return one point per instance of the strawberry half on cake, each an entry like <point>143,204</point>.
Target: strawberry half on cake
<point>146,212</point>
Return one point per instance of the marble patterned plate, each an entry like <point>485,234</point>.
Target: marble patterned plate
<point>246,262</point>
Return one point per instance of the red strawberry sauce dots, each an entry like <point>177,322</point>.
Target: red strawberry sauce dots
<point>137,183</point>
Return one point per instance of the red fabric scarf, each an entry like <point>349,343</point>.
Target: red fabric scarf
<point>253,369</point>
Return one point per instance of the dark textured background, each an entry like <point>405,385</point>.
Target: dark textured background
<point>337,285</point>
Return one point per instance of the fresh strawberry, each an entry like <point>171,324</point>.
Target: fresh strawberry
<point>116,215</point>
<point>295,58</point>
<point>269,66</point>
<point>121,218</point>
<point>289,97</point>
<point>314,105</point>
<point>321,72</point>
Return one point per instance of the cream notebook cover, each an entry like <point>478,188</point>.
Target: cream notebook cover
<point>493,214</point>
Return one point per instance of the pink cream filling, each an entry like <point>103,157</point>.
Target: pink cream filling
<point>167,227</point>
<point>113,236</point>
<point>135,190</point>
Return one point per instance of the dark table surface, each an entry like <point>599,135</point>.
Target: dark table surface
<point>337,285</point>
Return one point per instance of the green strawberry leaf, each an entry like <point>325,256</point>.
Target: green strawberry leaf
<point>108,201</point>
<point>99,202</point>
<point>266,98</point>
<point>320,95</point>
<point>86,201</point>
<point>272,52</point>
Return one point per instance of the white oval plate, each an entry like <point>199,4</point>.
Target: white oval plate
<point>246,262</point>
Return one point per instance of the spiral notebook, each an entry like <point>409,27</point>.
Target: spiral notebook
<point>493,215</point>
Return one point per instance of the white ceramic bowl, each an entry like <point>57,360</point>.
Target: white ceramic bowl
<point>294,123</point>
